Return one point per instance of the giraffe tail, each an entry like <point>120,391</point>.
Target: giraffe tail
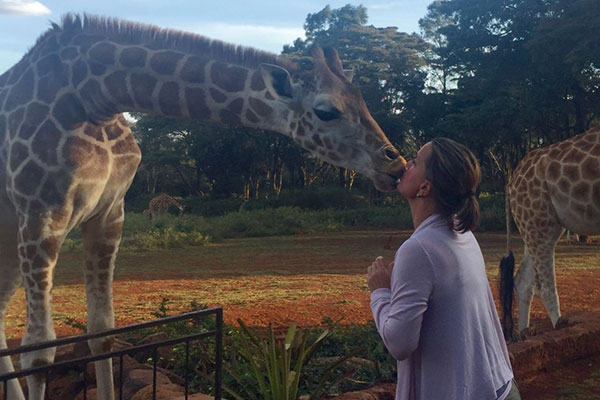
<point>506,279</point>
<point>505,290</point>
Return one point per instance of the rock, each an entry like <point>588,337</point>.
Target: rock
<point>195,396</point>
<point>164,353</point>
<point>63,387</point>
<point>163,392</point>
<point>139,378</point>
<point>382,391</point>
<point>92,394</point>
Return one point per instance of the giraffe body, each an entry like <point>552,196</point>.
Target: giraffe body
<point>160,205</point>
<point>67,154</point>
<point>552,189</point>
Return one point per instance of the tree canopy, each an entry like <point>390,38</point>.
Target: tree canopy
<point>502,76</point>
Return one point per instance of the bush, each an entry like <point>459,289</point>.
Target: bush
<point>166,238</point>
<point>211,208</point>
<point>492,213</point>
<point>330,358</point>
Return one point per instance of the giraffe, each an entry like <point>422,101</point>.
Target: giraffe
<point>552,189</point>
<point>160,204</point>
<point>68,155</point>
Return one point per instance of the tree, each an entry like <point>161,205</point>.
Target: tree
<point>513,92</point>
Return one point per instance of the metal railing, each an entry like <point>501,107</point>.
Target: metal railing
<point>83,361</point>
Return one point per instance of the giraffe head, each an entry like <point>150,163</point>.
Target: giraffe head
<point>328,116</point>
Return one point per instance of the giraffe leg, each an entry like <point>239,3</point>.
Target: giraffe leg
<point>524,280</point>
<point>101,236</point>
<point>10,281</point>
<point>546,288</point>
<point>40,238</point>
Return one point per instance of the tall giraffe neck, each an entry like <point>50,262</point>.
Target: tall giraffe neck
<point>110,74</point>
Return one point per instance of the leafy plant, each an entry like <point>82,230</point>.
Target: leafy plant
<point>277,364</point>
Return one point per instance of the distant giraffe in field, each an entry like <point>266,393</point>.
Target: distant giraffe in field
<point>160,205</point>
<point>68,155</point>
<point>552,189</point>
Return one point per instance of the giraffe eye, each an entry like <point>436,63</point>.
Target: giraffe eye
<point>327,115</point>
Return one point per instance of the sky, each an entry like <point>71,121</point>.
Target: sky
<point>263,24</point>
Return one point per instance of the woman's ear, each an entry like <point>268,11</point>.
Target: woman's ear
<point>425,189</point>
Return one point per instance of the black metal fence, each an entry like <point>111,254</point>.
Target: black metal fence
<point>83,361</point>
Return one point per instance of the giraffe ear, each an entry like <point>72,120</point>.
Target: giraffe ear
<point>349,74</point>
<point>277,80</point>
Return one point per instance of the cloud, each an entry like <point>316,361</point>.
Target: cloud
<point>262,37</point>
<point>23,7</point>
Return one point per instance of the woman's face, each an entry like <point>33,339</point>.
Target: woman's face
<point>410,183</point>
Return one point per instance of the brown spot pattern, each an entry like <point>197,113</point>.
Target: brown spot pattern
<point>84,156</point>
<point>113,131</point>
<point>581,191</point>
<point>251,117</point>
<point>231,79</point>
<point>103,53</point>
<point>21,93</point>
<point>317,140</point>
<point>18,154</point>
<point>193,70</point>
<point>165,62</point>
<point>228,117</point>
<point>46,142</point>
<point>260,107</point>
<point>143,86</point>
<point>93,131</point>
<point>69,53</point>
<point>590,169</point>
<point>571,172</point>
<point>196,103</point>
<point>80,72</point>
<point>36,113</point>
<point>117,87</point>
<point>257,82</point>
<point>125,146</point>
<point>236,106</point>
<point>69,112</point>
<point>29,179</point>
<point>217,95</point>
<point>133,57</point>
<point>168,99</point>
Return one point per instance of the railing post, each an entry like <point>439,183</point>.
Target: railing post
<point>219,353</point>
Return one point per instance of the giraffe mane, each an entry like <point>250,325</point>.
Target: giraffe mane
<point>188,42</point>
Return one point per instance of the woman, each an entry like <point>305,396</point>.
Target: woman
<point>433,306</point>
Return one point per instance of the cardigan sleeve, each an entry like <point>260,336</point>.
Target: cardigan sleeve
<point>398,311</point>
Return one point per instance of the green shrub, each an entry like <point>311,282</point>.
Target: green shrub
<point>492,212</point>
<point>165,238</point>
<point>329,368</point>
<point>211,207</point>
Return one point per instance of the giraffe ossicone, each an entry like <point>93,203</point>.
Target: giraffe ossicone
<point>552,189</point>
<point>68,155</point>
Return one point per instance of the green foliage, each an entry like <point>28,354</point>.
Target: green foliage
<point>277,362</point>
<point>309,361</point>
<point>493,213</point>
<point>165,238</point>
<point>74,323</point>
<point>211,207</point>
<point>371,362</point>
